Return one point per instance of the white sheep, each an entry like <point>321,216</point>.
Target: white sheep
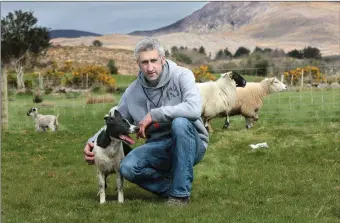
<point>250,99</point>
<point>43,121</point>
<point>219,96</point>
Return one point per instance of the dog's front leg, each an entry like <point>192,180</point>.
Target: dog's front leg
<point>101,181</point>
<point>120,182</point>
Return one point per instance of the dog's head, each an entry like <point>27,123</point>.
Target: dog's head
<point>119,128</point>
<point>239,80</point>
<point>32,112</point>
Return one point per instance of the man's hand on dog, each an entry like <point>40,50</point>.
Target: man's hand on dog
<point>88,154</point>
<point>147,120</point>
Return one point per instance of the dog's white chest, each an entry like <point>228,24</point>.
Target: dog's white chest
<point>108,159</point>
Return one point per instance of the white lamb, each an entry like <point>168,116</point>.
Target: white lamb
<point>219,96</point>
<point>43,121</point>
<point>250,100</point>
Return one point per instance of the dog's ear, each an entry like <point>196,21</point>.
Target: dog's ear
<point>117,114</point>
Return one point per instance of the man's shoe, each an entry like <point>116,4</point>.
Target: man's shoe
<point>178,201</point>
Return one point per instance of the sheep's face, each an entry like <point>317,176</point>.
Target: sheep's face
<point>151,64</point>
<point>32,112</point>
<point>275,85</point>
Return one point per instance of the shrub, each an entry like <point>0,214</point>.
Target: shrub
<point>202,74</point>
<point>181,57</point>
<point>48,90</point>
<point>37,98</point>
<point>311,73</point>
<point>97,43</point>
<point>112,67</point>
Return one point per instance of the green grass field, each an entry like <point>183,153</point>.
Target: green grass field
<point>297,179</point>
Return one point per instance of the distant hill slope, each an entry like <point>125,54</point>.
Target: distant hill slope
<point>217,25</point>
<point>259,20</point>
<point>70,33</point>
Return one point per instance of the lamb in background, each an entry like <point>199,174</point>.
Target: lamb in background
<point>219,96</point>
<point>43,121</point>
<point>250,100</point>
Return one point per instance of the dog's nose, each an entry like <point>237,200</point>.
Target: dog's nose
<point>137,129</point>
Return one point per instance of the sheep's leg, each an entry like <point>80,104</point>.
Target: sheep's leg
<point>37,128</point>
<point>249,122</point>
<point>119,183</point>
<point>226,122</point>
<point>102,183</point>
<point>208,125</point>
<point>52,127</point>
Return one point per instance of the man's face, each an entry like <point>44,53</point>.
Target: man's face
<point>151,64</point>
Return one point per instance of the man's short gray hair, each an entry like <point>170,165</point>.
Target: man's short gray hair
<point>149,43</point>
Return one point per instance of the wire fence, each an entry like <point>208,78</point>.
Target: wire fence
<point>83,103</point>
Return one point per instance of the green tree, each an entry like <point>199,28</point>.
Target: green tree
<point>312,52</point>
<point>258,50</point>
<point>241,51</point>
<point>201,50</point>
<point>111,65</point>
<point>22,39</point>
<point>227,53</point>
<point>174,50</point>
<point>295,54</point>
<point>219,55</point>
<point>97,43</point>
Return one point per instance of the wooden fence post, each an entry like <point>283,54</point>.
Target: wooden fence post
<point>4,100</point>
<point>301,84</point>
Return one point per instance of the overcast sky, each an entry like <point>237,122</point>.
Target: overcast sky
<point>105,17</point>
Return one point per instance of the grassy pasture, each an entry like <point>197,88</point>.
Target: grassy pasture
<point>297,179</point>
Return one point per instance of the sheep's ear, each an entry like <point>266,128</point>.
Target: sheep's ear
<point>106,117</point>
<point>223,75</point>
<point>272,80</point>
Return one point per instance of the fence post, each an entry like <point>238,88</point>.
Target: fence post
<point>87,80</point>
<point>301,84</point>
<point>40,81</point>
<point>4,100</point>
<point>291,80</point>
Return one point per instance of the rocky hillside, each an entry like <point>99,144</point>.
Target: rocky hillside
<point>285,25</point>
<point>94,55</point>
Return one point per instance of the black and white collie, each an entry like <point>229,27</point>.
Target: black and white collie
<point>108,149</point>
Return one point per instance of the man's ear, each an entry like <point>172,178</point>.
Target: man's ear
<point>163,60</point>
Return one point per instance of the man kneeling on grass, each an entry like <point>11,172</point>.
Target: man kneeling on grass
<point>166,105</point>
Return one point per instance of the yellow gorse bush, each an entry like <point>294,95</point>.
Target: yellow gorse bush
<point>202,74</point>
<point>309,72</point>
<point>88,75</point>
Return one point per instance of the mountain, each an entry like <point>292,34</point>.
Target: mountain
<point>70,33</point>
<point>217,25</point>
<point>316,21</point>
<point>213,17</point>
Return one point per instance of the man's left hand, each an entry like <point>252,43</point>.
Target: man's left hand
<point>147,120</point>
